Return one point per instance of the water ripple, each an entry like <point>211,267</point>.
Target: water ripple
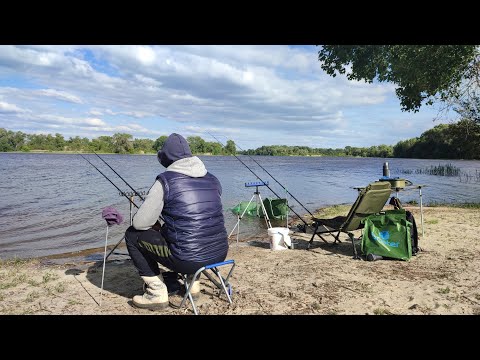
<point>52,203</point>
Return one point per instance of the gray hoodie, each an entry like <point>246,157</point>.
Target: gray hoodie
<point>149,212</point>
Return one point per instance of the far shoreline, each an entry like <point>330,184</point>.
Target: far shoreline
<point>207,154</point>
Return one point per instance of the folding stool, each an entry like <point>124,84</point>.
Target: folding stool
<point>207,270</point>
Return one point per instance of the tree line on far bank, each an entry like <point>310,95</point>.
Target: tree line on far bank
<point>119,143</point>
<point>459,140</point>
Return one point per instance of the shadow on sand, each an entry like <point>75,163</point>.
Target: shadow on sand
<point>343,248</point>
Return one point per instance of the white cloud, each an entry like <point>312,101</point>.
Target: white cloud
<point>145,55</point>
<point>94,122</point>
<point>136,114</point>
<point>95,112</point>
<point>61,95</point>
<point>270,91</point>
<point>10,108</point>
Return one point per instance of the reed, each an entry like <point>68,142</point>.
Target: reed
<point>440,170</point>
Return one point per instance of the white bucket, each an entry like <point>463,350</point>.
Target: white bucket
<point>279,238</point>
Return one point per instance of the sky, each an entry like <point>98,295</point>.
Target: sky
<point>253,95</point>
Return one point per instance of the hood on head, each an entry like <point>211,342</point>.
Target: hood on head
<point>175,148</point>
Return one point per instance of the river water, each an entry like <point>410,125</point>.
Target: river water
<point>52,203</point>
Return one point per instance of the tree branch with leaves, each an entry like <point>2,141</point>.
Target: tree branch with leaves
<point>423,74</point>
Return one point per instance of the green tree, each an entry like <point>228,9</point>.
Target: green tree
<point>197,144</point>
<point>435,143</point>
<point>469,108</point>
<point>143,145</point>
<point>465,136</point>
<point>230,148</point>
<point>102,144</point>
<point>420,72</point>
<point>59,142</point>
<point>11,141</point>
<point>5,144</point>
<point>122,143</point>
<point>213,148</point>
<point>158,144</point>
<point>404,148</point>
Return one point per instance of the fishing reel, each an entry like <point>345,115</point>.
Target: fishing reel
<point>131,193</point>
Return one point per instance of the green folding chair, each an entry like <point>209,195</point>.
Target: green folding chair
<point>370,200</point>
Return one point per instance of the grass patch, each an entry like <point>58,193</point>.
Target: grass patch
<point>443,290</point>
<point>49,276</point>
<point>2,297</point>
<point>432,221</point>
<point>16,280</point>
<point>32,296</point>
<point>381,311</point>
<point>458,205</point>
<point>74,302</point>
<point>60,287</point>
<point>33,282</point>
<point>333,211</point>
<point>15,262</point>
<point>332,312</point>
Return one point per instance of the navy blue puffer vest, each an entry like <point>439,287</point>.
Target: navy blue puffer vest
<point>194,224</point>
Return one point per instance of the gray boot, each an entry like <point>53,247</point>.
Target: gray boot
<point>155,296</point>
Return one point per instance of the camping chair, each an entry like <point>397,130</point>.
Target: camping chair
<point>370,200</point>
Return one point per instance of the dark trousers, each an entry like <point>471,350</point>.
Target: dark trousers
<point>147,248</point>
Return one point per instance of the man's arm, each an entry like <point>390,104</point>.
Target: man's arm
<point>148,213</point>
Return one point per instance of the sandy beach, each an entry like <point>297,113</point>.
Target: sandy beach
<point>442,279</point>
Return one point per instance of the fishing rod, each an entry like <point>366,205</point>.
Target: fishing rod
<point>120,191</point>
<point>105,176</point>
<point>276,181</point>
<point>125,181</point>
<point>258,177</point>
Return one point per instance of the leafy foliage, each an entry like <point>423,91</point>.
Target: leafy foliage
<point>420,72</point>
<point>122,143</point>
<point>284,150</point>
<point>230,148</point>
<point>470,108</point>
<point>158,144</point>
<point>119,143</point>
<point>460,140</point>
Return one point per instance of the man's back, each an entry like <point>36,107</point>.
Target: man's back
<point>193,214</point>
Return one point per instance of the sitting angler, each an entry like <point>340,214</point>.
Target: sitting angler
<point>180,224</point>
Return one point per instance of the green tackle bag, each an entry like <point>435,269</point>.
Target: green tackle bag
<point>387,234</point>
